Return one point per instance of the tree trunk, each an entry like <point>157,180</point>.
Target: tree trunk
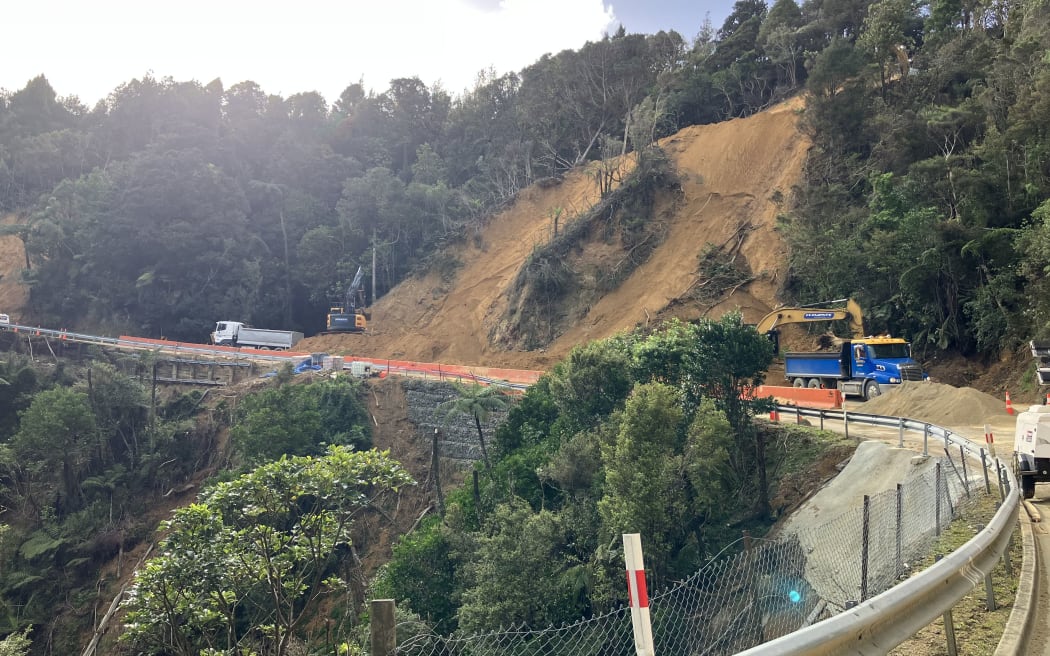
<point>481,439</point>
<point>763,479</point>
<point>436,471</point>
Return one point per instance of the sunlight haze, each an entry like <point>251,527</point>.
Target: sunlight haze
<point>88,49</point>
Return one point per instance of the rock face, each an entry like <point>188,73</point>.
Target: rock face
<point>458,435</point>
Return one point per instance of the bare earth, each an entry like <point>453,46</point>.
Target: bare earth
<point>731,175</point>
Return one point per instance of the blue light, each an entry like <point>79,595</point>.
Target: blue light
<point>794,596</point>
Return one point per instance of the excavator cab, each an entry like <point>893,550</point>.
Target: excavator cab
<point>351,316</point>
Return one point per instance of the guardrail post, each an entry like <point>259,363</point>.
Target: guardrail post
<point>1002,484</point>
<point>898,557</point>
<point>949,630</point>
<point>864,550</point>
<point>937,502</point>
<point>900,432</point>
<point>965,476</point>
<point>984,467</point>
<point>1006,556</point>
<point>798,414</point>
<point>821,420</point>
<point>989,593</point>
<point>382,628</point>
<point>845,422</point>
<point>926,439</point>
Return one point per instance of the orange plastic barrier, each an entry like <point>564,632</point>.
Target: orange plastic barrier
<point>825,399</point>
<point>441,371</point>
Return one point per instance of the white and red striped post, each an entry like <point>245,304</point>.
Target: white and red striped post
<point>637,594</point>
<point>989,439</point>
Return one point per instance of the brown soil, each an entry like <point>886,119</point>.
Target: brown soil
<point>733,176</point>
<point>938,403</point>
<point>13,294</point>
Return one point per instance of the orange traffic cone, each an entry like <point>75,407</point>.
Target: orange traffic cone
<point>1009,406</point>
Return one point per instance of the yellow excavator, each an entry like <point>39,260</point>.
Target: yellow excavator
<point>809,313</point>
<point>350,317</point>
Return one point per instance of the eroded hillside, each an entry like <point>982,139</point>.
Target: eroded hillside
<point>734,178</point>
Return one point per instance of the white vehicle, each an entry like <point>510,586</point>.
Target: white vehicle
<point>359,369</point>
<point>1032,446</point>
<point>235,333</point>
<point>1032,431</point>
<point>5,319</point>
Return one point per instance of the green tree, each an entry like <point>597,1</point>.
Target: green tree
<point>17,643</point>
<point>260,549</point>
<point>780,40</point>
<point>299,420</point>
<point>53,448</point>
<point>421,574</point>
<point>730,360</point>
<point>643,488</point>
<point>478,402</point>
<point>590,383</point>
<point>524,572</point>
<point>884,37</point>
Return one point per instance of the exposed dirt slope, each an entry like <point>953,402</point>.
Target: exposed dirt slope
<point>732,174</point>
<point>12,259</point>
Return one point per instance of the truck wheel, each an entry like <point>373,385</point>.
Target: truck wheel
<point>814,383</point>
<point>871,390</point>
<point>1028,486</point>
<point>798,382</point>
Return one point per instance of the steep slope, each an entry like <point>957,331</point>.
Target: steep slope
<point>13,294</point>
<point>733,176</point>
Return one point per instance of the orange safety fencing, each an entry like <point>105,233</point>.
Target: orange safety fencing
<point>425,369</point>
<point>825,399</point>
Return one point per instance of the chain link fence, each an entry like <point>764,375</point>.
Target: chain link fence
<point>773,586</point>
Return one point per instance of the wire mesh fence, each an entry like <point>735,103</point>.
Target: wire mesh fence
<point>774,586</point>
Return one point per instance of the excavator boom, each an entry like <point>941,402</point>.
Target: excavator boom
<point>808,314</point>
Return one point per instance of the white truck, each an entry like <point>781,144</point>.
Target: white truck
<point>1032,446</point>
<point>235,333</point>
<point>1032,431</point>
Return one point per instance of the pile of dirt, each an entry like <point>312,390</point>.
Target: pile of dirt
<point>938,403</point>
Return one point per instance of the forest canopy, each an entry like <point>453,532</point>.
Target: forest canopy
<point>172,203</point>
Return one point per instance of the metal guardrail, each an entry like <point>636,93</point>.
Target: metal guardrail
<point>885,621</point>
<point>275,357</point>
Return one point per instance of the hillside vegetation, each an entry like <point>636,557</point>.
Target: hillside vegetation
<point>172,204</point>
<point>889,151</point>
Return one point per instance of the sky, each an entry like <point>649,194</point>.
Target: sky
<point>87,48</point>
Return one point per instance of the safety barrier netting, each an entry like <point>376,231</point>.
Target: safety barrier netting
<point>771,587</point>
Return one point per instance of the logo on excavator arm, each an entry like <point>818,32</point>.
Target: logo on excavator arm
<point>818,315</point>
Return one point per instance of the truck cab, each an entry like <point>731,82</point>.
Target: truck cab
<point>876,362</point>
<point>225,333</point>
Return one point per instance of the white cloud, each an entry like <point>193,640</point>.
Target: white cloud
<point>88,48</point>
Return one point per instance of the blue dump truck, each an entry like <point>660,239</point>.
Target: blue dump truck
<point>860,367</point>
